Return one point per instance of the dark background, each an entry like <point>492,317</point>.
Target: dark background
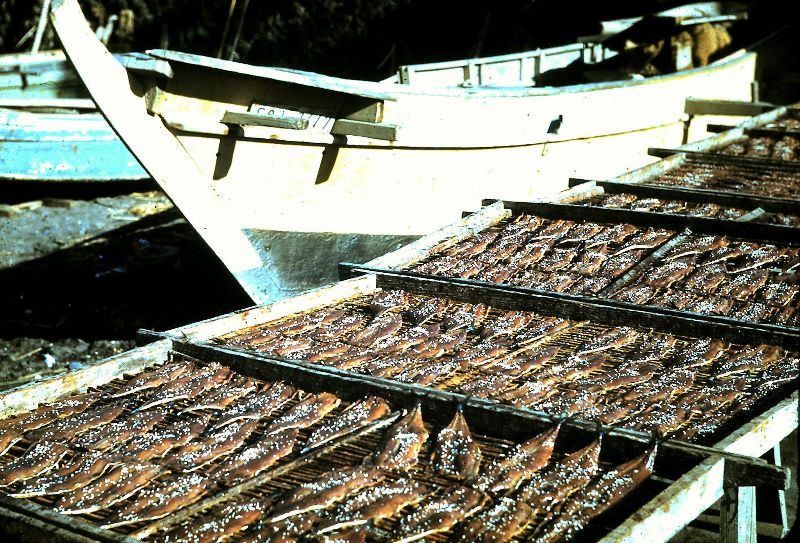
<point>353,38</point>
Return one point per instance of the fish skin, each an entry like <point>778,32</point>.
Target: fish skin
<point>456,454</point>
<point>376,502</point>
<point>612,339</point>
<point>402,443</point>
<point>486,385</point>
<point>328,489</point>
<point>603,492</point>
<point>220,397</point>
<point>220,442</point>
<point>155,378</point>
<point>469,316</point>
<point>219,524</point>
<point>380,328</point>
<point>67,428</point>
<point>546,327</point>
<point>157,501</point>
<point>498,523</point>
<point>258,456</point>
<point>358,535</point>
<point>427,372</point>
<point>257,405</point>
<point>519,463</point>
<point>285,531</point>
<point>524,362</point>
<point>306,413</point>
<point>700,353</point>
<point>356,415</point>
<point>116,486</point>
<point>387,300</point>
<point>439,514</point>
<point>79,472</point>
<point>156,443</point>
<point>38,458</point>
<point>426,309</point>
<point>197,382</point>
<point>119,431</point>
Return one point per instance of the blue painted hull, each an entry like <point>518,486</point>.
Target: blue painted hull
<point>63,147</point>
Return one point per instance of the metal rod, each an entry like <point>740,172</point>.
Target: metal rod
<point>226,29</point>
<point>37,40</point>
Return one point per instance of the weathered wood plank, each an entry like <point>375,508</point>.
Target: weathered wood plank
<point>378,131</point>
<point>27,397</point>
<point>700,106</point>
<point>738,515</point>
<point>263,119</point>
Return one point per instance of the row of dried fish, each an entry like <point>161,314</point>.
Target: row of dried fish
<point>720,276</point>
<point>523,489</point>
<point>777,147</point>
<point>634,202</point>
<point>166,438</point>
<point>519,357</point>
<point>560,255</point>
<point>740,178</point>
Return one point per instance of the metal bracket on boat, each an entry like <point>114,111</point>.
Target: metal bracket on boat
<point>242,118</point>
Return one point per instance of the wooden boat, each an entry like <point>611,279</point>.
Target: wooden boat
<point>59,146</point>
<point>285,173</point>
<point>41,75</point>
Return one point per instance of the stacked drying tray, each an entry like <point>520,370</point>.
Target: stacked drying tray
<point>524,304</point>
<point>181,442</point>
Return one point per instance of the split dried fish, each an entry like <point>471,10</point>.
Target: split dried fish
<point>188,386</point>
<point>221,523</point>
<point>355,416</point>
<point>309,411</point>
<point>221,442</point>
<point>456,454</point>
<point>259,405</point>
<point>439,514</point>
<point>110,435</point>
<point>38,458</point>
<point>114,487</point>
<point>220,397</point>
<point>156,378</point>
<point>402,443</point>
<point>511,469</point>
<point>156,443</point>
<point>79,472</point>
<point>257,457</point>
<point>67,428</point>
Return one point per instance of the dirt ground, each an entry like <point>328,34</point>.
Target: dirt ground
<point>83,268</point>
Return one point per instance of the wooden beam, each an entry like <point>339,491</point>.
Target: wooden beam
<point>378,131</point>
<point>263,119</point>
<point>738,515</point>
<point>703,106</point>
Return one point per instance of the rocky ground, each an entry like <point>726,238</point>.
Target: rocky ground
<point>82,269</point>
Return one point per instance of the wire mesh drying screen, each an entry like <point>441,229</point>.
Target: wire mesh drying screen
<point>139,458</point>
<point>694,388</point>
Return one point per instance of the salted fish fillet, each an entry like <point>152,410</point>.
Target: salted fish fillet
<point>306,413</point>
<point>198,382</point>
<point>155,378</point>
<point>119,431</point>
<point>258,457</point>
<point>258,405</point>
<point>518,464</point>
<point>220,397</point>
<point>37,459</point>
<point>373,503</point>
<point>160,500</point>
<point>498,523</point>
<point>81,471</point>
<point>221,523</point>
<point>440,514</point>
<point>156,443</point>
<point>116,486</point>
<point>224,441</point>
<point>402,443</point>
<point>287,530</point>
<point>456,454</point>
<point>326,490</point>
<point>356,415</point>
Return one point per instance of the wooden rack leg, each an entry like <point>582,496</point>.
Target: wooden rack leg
<point>738,514</point>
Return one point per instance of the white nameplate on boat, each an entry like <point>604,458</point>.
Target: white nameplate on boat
<point>316,122</point>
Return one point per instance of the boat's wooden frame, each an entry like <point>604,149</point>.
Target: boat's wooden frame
<point>316,169</point>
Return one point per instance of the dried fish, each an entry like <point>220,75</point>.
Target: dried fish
<point>744,284</point>
<point>258,456</point>
<point>603,492</point>
<point>546,327</point>
<point>38,458</point>
<point>372,504</point>
<point>486,386</point>
<point>498,523</point>
<point>306,413</point>
<point>698,353</point>
<point>471,356</point>
<point>329,488</point>
<point>387,300</point>
<point>156,378</point>
<point>221,523</point>
<point>750,359</point>
<point>524,362</point>
<point>188,385</point>
<point>155,444</point>
<point>380,328</point>
<point>427,372</point>
<point>428,308</point>
<point>665,275</point>
<point>104,437</point>
<point>355,416</point>
<point>220,397</point>
<point>519,463</point>
<point>528,393</point>
<point>288,530</point>
<point>222,442</point>
<point>157,501</point>
<point>653,347</point>
<point>439,514</point>
<point>114,487</point>
<point>468,316</point>
<point>402,443</point>
<point>259,405</point>
<point>67,428</point>
<point>456,454</point>
<point>80,471</point>
<point>698,245</point>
